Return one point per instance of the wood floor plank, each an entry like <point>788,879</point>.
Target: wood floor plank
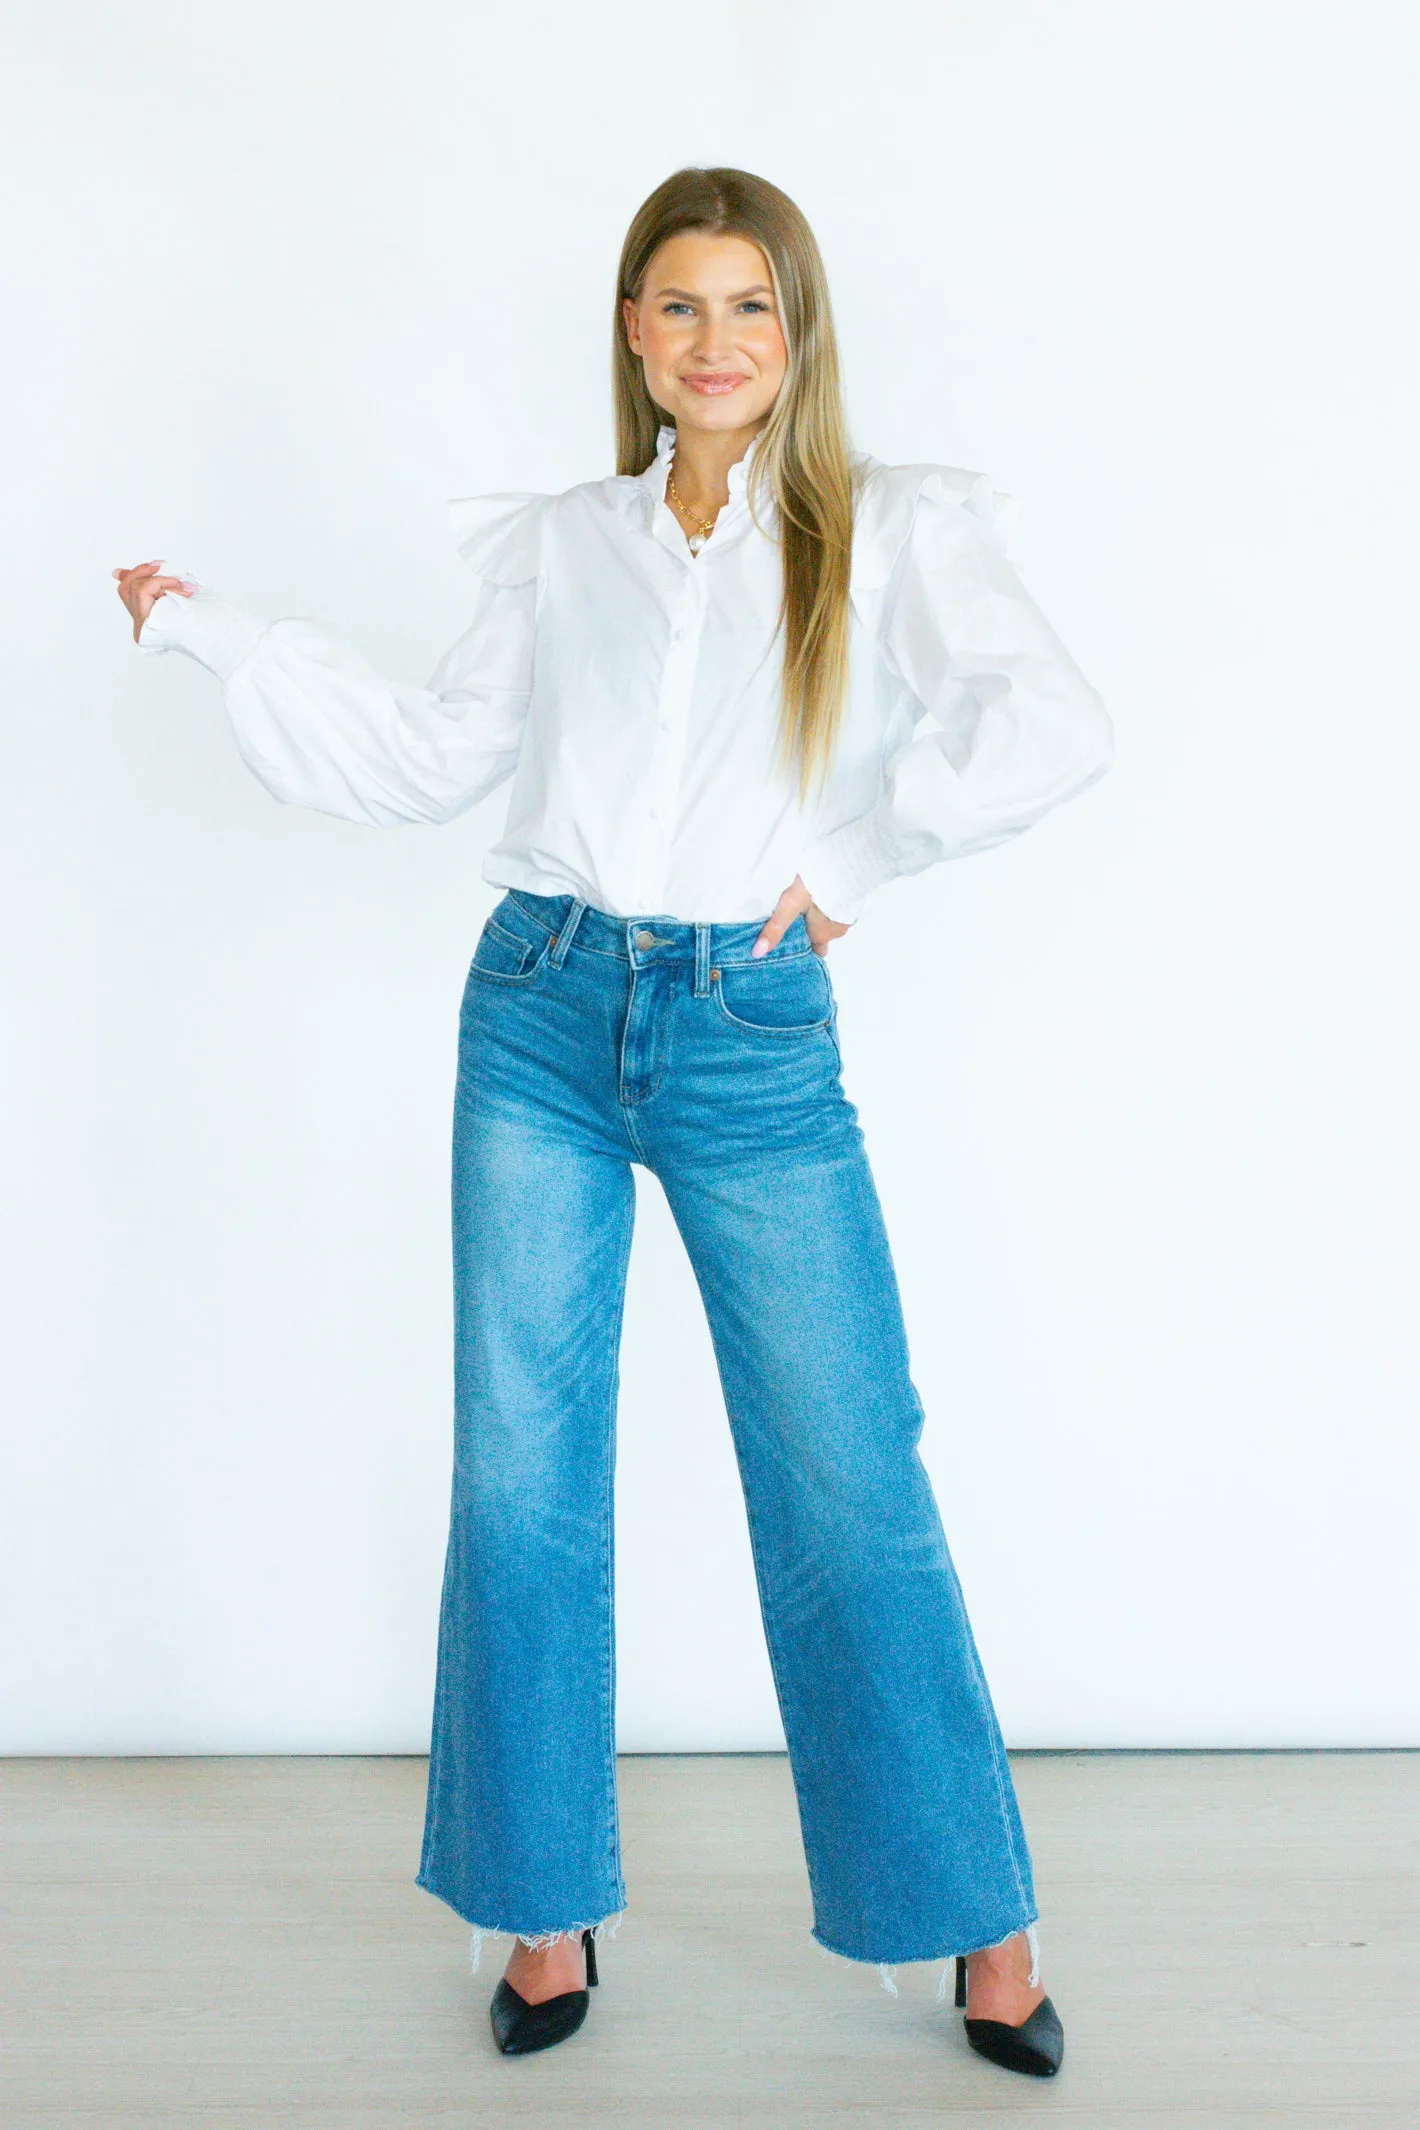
<point>1231,1938</point>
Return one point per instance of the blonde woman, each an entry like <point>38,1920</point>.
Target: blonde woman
<point>708,678</point>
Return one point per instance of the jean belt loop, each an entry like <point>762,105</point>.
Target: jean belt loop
<point>702,961</point>
<point>564,938</point>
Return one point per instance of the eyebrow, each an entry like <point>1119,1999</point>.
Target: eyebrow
<point>761,288</point>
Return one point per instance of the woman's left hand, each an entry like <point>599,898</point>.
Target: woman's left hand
<point>796,901</point>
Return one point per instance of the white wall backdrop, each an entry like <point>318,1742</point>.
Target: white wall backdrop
<point>1140,1089</point>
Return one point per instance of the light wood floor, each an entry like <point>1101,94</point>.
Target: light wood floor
<point>1231,1940</point>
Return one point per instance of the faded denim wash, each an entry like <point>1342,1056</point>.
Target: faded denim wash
<point>589,1042</point>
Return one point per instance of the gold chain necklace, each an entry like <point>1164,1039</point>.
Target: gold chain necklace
<point>706,525</point>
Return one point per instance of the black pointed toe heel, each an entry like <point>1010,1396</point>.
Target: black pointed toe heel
<point>520,2027</point>
<point>1036,2046</point>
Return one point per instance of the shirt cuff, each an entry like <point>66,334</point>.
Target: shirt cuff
<point>218,636</point>
<point>840,870</point>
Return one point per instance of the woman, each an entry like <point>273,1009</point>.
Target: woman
<point>703,676</point>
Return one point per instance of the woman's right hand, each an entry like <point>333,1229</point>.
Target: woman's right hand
<point>140,590</point>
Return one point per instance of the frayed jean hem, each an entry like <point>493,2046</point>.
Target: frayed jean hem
<point>543,1940</point>
<point>887,1967</point>
<point>610,1915</point>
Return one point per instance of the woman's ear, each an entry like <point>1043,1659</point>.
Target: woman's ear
<point>631,319</point>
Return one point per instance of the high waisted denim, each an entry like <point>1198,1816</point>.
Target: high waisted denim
<point>589,1042</point>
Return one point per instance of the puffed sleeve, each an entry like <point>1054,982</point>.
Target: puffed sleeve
<point>320,728</point>
<point>1018,727</point>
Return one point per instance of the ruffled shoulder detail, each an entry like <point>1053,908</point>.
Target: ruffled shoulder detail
<point>500,536</point>
<point>891,499</point>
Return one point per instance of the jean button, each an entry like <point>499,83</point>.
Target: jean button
<point>645,939</point>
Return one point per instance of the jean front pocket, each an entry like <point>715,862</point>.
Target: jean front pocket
<point>512,947</point>
<point>792,995</point>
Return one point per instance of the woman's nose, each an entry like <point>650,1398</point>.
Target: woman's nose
<point>711,342</point>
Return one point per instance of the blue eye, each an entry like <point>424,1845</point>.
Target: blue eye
<point>754,303</point>
<point>676,307</point>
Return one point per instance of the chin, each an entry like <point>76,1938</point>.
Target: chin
<point>735,411</point>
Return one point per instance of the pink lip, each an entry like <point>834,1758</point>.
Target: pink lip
<point>715,381</point>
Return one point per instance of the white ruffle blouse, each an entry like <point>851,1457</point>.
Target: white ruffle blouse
<point>630,692</point>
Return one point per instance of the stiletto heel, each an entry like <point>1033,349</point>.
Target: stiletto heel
<point>1036,2046</point>
<point>520,2027</point>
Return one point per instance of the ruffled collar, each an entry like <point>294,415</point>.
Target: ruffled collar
<point>655,474</point>
<point>660,520</point>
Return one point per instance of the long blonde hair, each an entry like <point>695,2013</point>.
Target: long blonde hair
<point>803,453</point>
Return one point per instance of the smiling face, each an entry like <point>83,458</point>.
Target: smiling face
<point>707,330</point>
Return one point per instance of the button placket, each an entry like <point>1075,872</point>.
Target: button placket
<point>668,742</point>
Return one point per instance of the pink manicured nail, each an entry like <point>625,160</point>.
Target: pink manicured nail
<point>761,946</point>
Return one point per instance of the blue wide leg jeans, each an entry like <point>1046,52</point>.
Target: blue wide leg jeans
<point>589,1042</point>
